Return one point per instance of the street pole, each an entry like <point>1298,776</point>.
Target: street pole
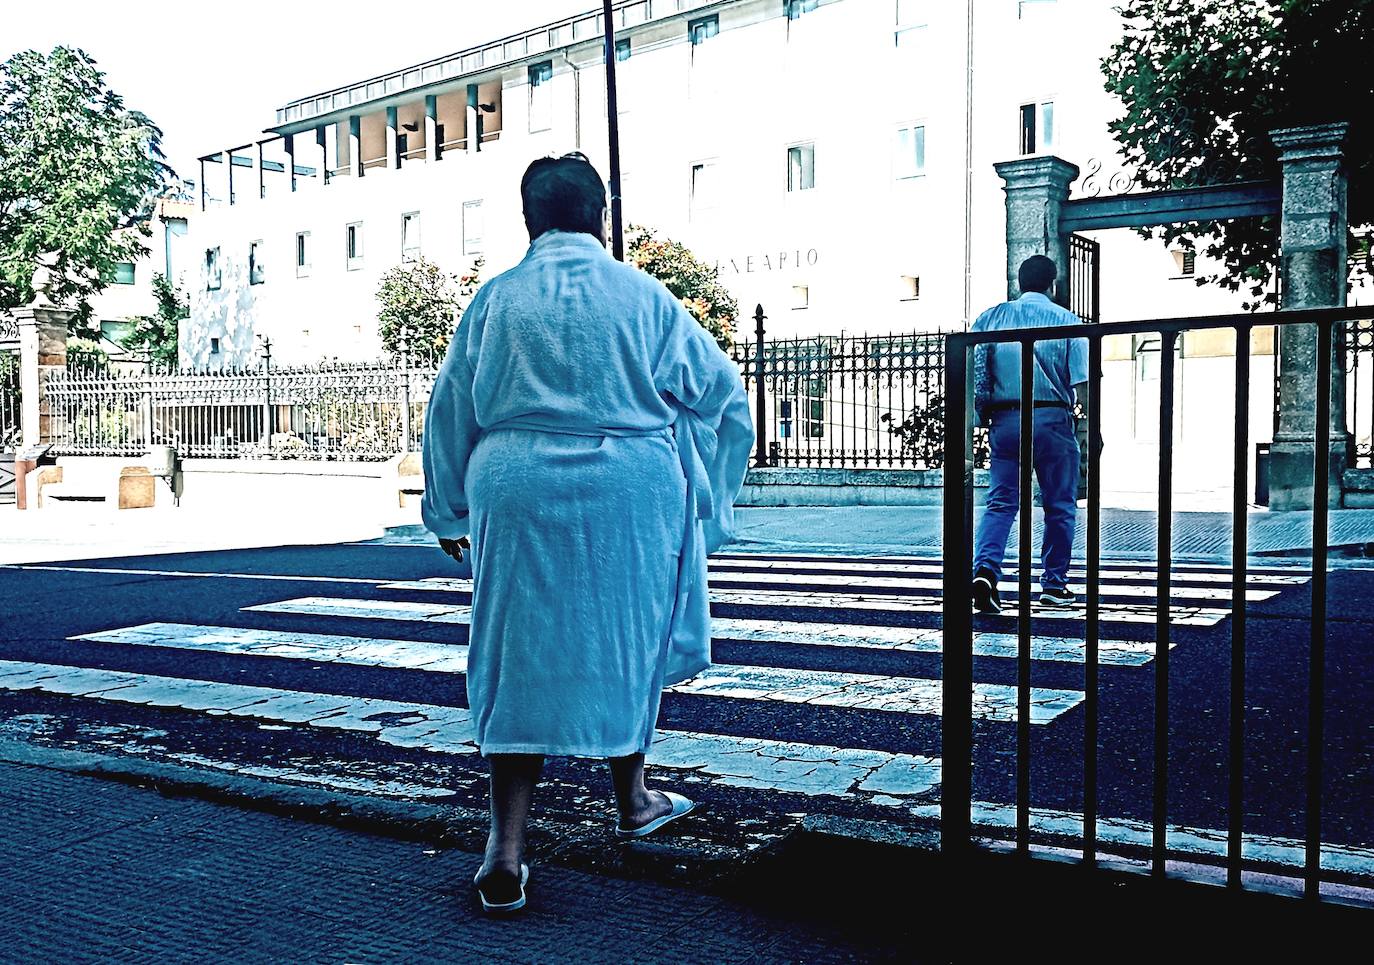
<point>267,419</point>
<point>613,126</point>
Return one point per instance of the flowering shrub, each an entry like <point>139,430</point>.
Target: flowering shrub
<point>695,283</point>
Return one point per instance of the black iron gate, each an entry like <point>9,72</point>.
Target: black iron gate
<point>10,422</point>
<point>1085,260</point>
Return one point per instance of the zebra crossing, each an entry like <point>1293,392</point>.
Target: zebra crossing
<point>840,611</point>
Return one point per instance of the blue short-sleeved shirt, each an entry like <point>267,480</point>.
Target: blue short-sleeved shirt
<point>1060,363</point>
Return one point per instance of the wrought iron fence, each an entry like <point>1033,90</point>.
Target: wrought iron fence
<point>368,412</point>
<point>847,401</point>
<point>10,404</point>
<point>1359,367</point>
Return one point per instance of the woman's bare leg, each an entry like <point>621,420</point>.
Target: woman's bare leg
<point>638,805</point>
<point>513,779</point>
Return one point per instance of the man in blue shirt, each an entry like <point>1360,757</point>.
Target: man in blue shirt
<point>1061,371</point>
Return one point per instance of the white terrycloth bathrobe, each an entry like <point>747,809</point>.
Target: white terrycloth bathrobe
<point>591,438</point>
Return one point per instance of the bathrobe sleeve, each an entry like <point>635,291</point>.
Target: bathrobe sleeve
<point>705,385</point>
<point>451,432</point>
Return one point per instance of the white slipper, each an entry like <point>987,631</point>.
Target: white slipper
<point>498,907</point>
<point>681,806</point>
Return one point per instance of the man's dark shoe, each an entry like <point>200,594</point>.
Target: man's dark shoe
<point>986,599</point>
<point>1060,596</point>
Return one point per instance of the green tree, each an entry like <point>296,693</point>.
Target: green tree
<point>694,282</point>
<point>1204,83</point>
<point>156,335</point>
<point>78,174</point>
<point>422,302</point>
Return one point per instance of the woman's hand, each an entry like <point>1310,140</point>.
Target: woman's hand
<point>455,547</point>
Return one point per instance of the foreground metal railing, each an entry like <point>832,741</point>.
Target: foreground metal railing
<point>957,712</point>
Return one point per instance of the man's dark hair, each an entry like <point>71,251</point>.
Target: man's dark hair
<point>1037,274</point>
<point>564,194</point>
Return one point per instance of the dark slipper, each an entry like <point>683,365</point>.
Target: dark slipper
<point>504,907</point>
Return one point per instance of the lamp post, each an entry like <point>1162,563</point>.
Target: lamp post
<point>613,126</point>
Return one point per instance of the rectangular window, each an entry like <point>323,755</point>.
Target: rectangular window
<point>541,96</point>
<point>214,346</point>
<point>912,18</point>
<point>622,50</point>
<point>704,188</point>
<point>909,160</point>
<point>801,297</point>
<point>255,267</point>
<point>212,272</point>
<point>1186,262</point>
<point>353,243</point>
<point>302,254</point>
<point>124,273</point>
<point>410,236</point>
<point>911,288</point>
<point>700,31</point>
<point>801,167</point>
<point>472,227</point>
<point>1037,127</point>
<point>795,8</point>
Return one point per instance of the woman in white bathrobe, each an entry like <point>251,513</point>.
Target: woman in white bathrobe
<point>589,438</point>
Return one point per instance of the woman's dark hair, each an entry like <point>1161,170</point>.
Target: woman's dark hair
<point>564,194</point>
<point>1037,274</point>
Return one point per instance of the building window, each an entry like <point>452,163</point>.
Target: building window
<point>1037,127</point>
<point>911,288</point>
<point>212,272</point>
<point>912,17</point>
<point>472,227</point>
<point>801,297</point>
<point>700,31</point>
<point>123,273</point>
<point>622,50</point>
<point>410,236</point>
<point>214,346</point>
<point>704,195</point>
<point>302,254</point>
<point>1034,9</point>
<point>353,243</point>
<point>541,96</point>
<point>801,167</point>
<point>795,8</point>
<point>910,158</point>
<point>1186,262</point>
<point>255,267</point>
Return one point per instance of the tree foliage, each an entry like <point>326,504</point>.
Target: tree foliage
<point>155,336</point>
<point>78,174</point>
<point>421,305</point>
<point>694,282</point>
<point>1204,83</point>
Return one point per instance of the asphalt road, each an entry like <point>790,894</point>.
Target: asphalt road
<point>893,739</point>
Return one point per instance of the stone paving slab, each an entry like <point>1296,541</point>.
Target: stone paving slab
<point>100,871</point>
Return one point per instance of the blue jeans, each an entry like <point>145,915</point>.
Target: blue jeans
<point>1055,457</point>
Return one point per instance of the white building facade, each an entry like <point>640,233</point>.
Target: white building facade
<point>834,157</point>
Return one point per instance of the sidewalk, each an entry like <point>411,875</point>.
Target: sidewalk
<point>102,871</point>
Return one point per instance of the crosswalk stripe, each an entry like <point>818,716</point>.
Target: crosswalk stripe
<point>1122,653</point>
<point>1270,849</point>
<point>1130,574</point>
<point>1180,615</point>
<point>326,606</point>
<point>930,583</point>
<point>812,769</point>
<point>903,695</point>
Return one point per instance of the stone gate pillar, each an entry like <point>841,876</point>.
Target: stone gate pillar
<point>1036,188</point>
<point>1313,272</point>
<point>42,348</point>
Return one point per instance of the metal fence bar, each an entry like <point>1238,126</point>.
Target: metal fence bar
<point>1239,535</point>
<point>1163,610</point>
<point>1091,633</point>
<point>1316,672</point>
<point>1026,417</point>
<point>956,702</point>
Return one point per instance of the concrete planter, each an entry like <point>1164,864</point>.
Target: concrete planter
<point>847,487</point>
